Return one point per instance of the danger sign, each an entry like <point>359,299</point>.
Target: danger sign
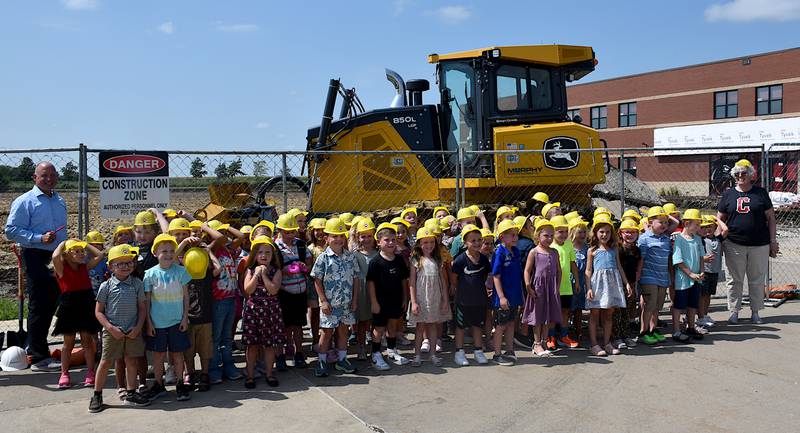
<point>131,182</point>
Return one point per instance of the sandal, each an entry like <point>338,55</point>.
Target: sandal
<point>598,351</point>
<point>610,349</point>
<point>250,383</point>
<point>543,354</point>
<point>272,381</point>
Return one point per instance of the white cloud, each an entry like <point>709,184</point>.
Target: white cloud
<point>400,6</point>
<point>452,14</point>
<point>754,10</point>
<point>79,4</point>
<point>237,28</point>
<point>263,125</point>
<point>167,28</point>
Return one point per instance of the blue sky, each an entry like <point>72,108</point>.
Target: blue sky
<point>252,75</point>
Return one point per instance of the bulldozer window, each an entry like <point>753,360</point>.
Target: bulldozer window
<point>458,81</point>
<point>521,88</point>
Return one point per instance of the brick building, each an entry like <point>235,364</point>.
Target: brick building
<point>709,107</point>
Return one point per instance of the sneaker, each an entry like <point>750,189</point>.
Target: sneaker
<point>321,370</point>
<point>379,363</point>
<point>648,339</point>
<point>694,333</point>
<point>141,389</point>
<point>701,330</point>
<point>47,364</point>
<point>756,319</point>
<point>619,344</point>
<point>280,363</point>
<point>701,322</point>
<point>63,381</point>
<point>417,361</point>
<point>300,361</point>
<point>362,353</point>
<point>403,341</point>
<point>398,358</point>
<point>439,345</point>
<point>551,343</point>
<point>658,336</point>
<point>351,340</point>
<point>96,403</point>
<point>631,342</point>
<point>183,392</point>
<point>426,346</point>
<point>510,355</point>
<point>680,337</point>
<point>155,391</point>
<point>480,357</point>
<point>169,376</point>
<point>135,399</point>
<point>460,358</point>
<point>710,321</point>
<point>215,380</point>
<point>734,318</point>
<point>502,360</point>
<point>345,366</point>
<point>436,361</point>
<point>566,341</point>
<point>89,379</point>
<point>525,341</point>
<point>122,393</point>
<point>611,350</point>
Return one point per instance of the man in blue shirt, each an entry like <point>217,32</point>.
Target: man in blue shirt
<point>38,222</point>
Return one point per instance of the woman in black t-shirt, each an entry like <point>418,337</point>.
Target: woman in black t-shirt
<point>747,210</point>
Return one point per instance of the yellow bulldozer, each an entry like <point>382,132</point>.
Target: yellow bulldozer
<point>506,98</point>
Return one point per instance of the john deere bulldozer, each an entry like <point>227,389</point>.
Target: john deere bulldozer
<point>498,98</point>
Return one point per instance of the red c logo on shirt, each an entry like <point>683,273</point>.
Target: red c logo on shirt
<point>742,205</point>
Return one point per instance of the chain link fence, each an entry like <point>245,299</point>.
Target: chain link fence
<point>242,187</point>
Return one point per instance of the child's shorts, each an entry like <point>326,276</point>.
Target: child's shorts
<point>200,340</point>
<point>470,315</point>
<point>382,320</point>
<point>688,298</point>
<point>294,307</point>
<point>653,297</point>
<point>114,349</point>
<point>578,301</point>
<point>170,339</point>
<point>710,284</point>
<point>338,316</point>
<point>566,301</point>
<point>502,317</point>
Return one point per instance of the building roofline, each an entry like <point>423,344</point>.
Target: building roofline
<point>678,68</point>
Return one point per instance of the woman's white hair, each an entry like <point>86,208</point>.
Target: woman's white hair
<point>751,172</point>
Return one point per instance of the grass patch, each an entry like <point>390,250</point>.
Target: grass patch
<point>9,309</point>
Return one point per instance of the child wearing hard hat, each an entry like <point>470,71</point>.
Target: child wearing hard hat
<point>145,229</point>
<point>122,235</point>
<point>688,258</point>
<point>366,250</point>
<point>336,281</point>
<point>631,259</point>
<point>578,236</point>
<point>99,273</point>
<point>166,289</point>
<point>466,216</point>
<point>656,249</point>
<point>507,294</point>
<point>121,310</point>
<point>76,304</point>
<point>714,233</point>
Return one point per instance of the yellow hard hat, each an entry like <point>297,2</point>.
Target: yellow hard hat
<point>388,226</point>
<point>692,215</point>
<point>572,215</point>
<point>163,237</point>
<point>708,221</point>
<point>196,224</point>
<point>541,197</point>
<point>365,225</point>
<point>670,208</point>
<point>261,240</point>
<point>520,221</point>
<point>602,218</point>
<point>354,222</point>
<point>407,211</point>
<point>577,222</point>
<point>335,226</point>
<point>122,250</point>
<point>265,223</point>
<point>346,217</point>
<point>438,208</point>
<point>433,225</point>
<point>505,226</point>
<point>74,243</point>
<point>245,229</point>
<point>95,237</point>
<point>486,233</point>
<point>601,210</point>
<point>316,223</point>
<point>629,224</point>
<point>469,228</point>
<point>296,211</point>
<point>475,209</point>
<point>546,208</point>
<point>144,218</point>
<point>559,222</point>
<point>655,212</point>
<point>121,229</point>
<point>743,163</point>
<point>465,212</point>
<point>287,223</point>
<point>542,223</point>
<point>398,220</point>
<point>169,213</point>
<point>446,222</point>
<point>196,262</point>
<point>503,210</point>
<point>630,213</point>
<point>425,232</point>
<point>178,224</point>
<point>218,226</point>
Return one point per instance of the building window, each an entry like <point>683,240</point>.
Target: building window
<point>572,113</point>
<point>726,104</point>
<point>599,117</point>
<point>769,100</point>
<point>627,114</point>
<point>629,165</point>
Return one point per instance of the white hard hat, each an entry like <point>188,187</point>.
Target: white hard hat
<point>14,359</point>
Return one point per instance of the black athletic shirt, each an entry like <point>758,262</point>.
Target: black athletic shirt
<point>388,278</point>
<point>471,286</point>
<point>201,299</point>
<point>747,223</point>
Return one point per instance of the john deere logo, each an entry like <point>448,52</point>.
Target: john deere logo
<point>564,153</point>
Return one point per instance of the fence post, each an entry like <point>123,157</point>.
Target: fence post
<point>84,181</point>
<point>283,176</point>
<point>81,173</point>
<point>622,182</point>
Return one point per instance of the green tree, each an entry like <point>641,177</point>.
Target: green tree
<point>198,168</point>
<point>260,168</point>
<point>69,171</point>
<point>25,169</point>
<point>235,168</point>
<point>221,171</point>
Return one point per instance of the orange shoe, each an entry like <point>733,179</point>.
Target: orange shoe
<point>551,343</point>
<point>565,341</point>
